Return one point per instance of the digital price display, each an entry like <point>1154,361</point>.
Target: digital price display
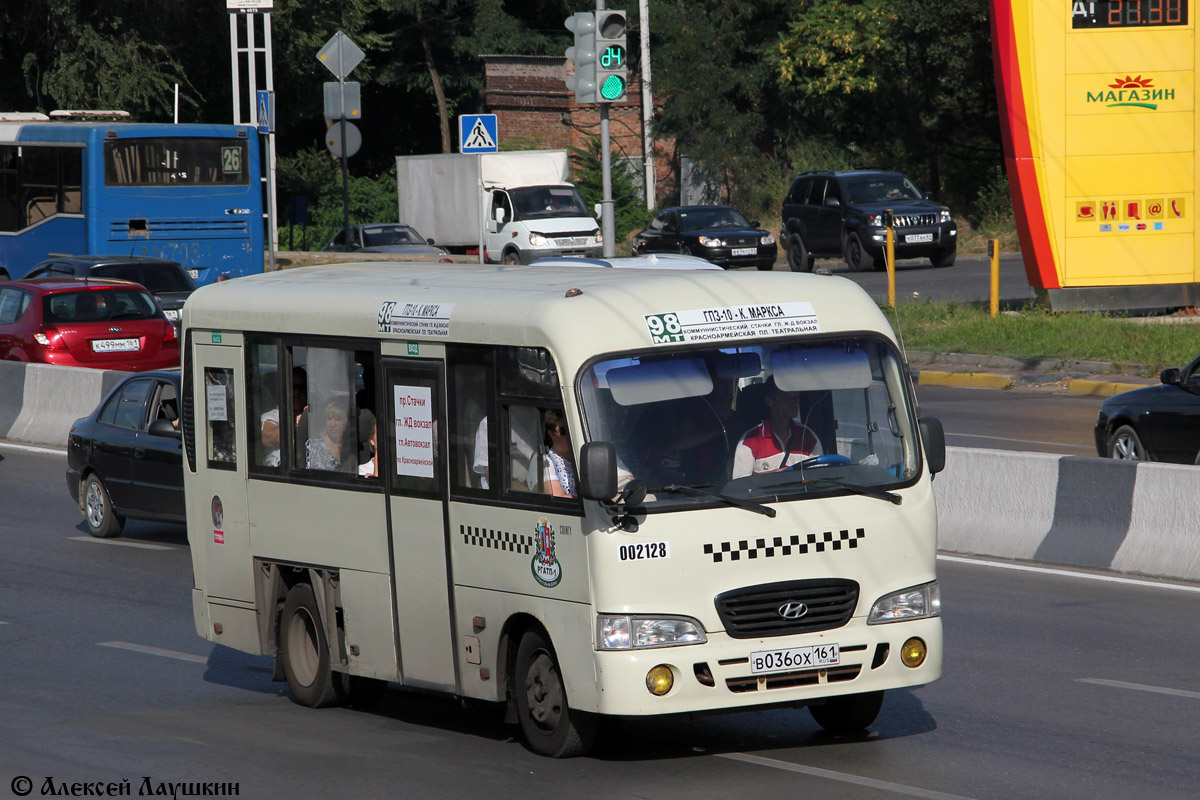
<point>1128,13</point>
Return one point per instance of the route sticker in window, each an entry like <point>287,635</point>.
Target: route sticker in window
<point>732,322</point>
<point>414,431</point>
<point>431,320</point>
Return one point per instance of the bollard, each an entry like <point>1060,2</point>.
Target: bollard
<point>890,256</point>
<point>994,254</point>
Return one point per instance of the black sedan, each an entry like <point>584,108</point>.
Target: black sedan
<point>1155,423</point>
<point>385,238</point>
<point>167,280</point>
<point>717,233</point>
<point>125,458</point>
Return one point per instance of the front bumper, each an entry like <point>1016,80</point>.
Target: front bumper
<point>870,661</point>
<point>530,255</point>
<point>724,257</point>
<point>941,237</point>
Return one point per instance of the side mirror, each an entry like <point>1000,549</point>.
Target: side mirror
<point>598,471</point>
<point>598,209</point>
<point>499,215</point>
<point>754,224</point>
<point>833,202</point>
<point>1170,376</point>
<point>163,427</point>
<point>933,437</point>
<point>430,241</point>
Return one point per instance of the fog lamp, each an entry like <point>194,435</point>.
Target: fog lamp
<point>659,680</point>
<point>913,652</point>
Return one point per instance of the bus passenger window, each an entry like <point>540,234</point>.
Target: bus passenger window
<point>263,379</point>
<point>334,391</point>
<point>219,405</point>
<point>469,442</point>
<point>525,448</point>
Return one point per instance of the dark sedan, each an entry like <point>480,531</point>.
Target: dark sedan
<point>385,238</point>
<point>167,280</point>
<point>717,233</point>
<point>125,459</point>
<point>1154,423</point>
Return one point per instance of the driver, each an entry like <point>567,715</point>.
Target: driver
<point>778,441</point>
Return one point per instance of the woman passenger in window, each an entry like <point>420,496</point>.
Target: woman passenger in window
<point>558,463</point>
<point>326,452</point>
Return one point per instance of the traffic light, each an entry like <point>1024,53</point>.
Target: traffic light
<point>583,55</point>
<point>612,72</point>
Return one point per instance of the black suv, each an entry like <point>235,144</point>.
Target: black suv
<point>833,214</point>
<point>167,280</point>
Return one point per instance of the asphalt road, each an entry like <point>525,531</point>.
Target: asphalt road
<point>1055,686</point>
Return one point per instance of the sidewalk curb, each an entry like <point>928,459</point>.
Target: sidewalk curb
<point>1001,380</point>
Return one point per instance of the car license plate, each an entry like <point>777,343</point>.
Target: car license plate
<point>745,251</point>
<point>195,273</point>
<point>917,238</point>
<point>818,655</point>
<point>115,345</point>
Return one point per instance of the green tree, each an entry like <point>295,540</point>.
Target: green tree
<point>629,207</point>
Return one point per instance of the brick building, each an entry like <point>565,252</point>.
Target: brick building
<point>535,110</point>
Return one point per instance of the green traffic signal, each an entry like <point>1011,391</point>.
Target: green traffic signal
<point>613,88</point>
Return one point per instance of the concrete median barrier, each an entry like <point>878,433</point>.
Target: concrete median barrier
<point>38,402</point>
<point>1083,512</point>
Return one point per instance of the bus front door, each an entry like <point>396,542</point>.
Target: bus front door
<point>415,456</point>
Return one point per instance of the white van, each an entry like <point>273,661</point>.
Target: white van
<point>575,492</point>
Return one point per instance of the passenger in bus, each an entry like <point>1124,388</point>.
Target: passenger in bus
<point>368,454</point>
<point>269,421</point>
<point>558,461</point>
<point>779,441</point>
<point>326,452</point>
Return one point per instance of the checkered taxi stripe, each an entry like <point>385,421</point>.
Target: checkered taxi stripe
<point>496,540</point>
<point>813,543</point>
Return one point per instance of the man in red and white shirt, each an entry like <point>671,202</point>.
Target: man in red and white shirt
<point>779,441</point>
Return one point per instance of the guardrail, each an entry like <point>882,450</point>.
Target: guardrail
<point>1085,512</point>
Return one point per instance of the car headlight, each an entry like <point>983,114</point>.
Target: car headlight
<point>875,220</point>
<point>537,240</point>
<point>707,242</point>
<point>767,239</point>
<point>637,633</point>
<point>944,216</point>
<point>599,237</point>
<point>916,602</point>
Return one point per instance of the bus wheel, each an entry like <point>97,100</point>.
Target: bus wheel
<point>102,521</point>
<point>304,651</point>
<point>849,713</point>
<point>551,728</point>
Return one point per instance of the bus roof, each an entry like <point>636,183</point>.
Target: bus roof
<point>83,132</point>
<point>528,306</point>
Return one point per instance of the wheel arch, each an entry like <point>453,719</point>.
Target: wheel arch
<point>273,582</point>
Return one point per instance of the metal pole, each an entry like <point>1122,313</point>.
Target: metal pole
<point>345,170</point>
<point>251,66</point>
<point>233,57</point>
<point>994,254</point>
<point>483,207</point>
<point>272,206</point>
<point>607,224</point>
<point>647,103</point>
<point>890,255</point>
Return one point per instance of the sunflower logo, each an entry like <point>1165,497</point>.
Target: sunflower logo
<point>1132,83</point>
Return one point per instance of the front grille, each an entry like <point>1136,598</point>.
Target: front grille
<point>753,611</point>
<point>788,680</point>
<point>914,220</point>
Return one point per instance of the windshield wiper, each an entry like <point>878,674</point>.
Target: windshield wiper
<point>748,505</point>
<point>865,491</point>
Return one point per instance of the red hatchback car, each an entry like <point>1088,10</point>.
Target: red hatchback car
<point>83,322</point>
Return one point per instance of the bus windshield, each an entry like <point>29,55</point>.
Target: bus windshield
<point>784,420</point>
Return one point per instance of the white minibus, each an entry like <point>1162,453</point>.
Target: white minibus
<point>574,492</point>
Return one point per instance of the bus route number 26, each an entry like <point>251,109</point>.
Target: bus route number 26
<point>664,328</point>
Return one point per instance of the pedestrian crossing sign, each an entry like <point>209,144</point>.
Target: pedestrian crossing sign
<point>477,133</point>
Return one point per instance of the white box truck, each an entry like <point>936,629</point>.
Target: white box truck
<point>529,208</point>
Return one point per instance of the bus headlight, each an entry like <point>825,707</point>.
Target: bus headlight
<point>916,602</point>
<point>635,633</point>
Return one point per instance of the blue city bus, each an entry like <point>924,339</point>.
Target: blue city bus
<point>191,193</point>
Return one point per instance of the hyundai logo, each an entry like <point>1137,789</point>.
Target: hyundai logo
<point>793,610</point>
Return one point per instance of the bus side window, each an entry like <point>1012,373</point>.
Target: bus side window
<point>265,404</point>
<point>335,392</point>
<point>526,449</point>
<point>470,443</point>
<point>218,412</point>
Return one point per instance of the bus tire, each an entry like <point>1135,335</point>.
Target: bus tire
<point>305,652</point>
<point>849,713</point>
<point>102,521</point>
<point>550,727</point>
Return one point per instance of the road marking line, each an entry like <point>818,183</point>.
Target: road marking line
<point>156,651</point>
<point>1089,448</point>
<point>1141,687</point>
<point>1070,573</point>
<point>887,786</point>
<point>120,543</point>
<point>33,449</point>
